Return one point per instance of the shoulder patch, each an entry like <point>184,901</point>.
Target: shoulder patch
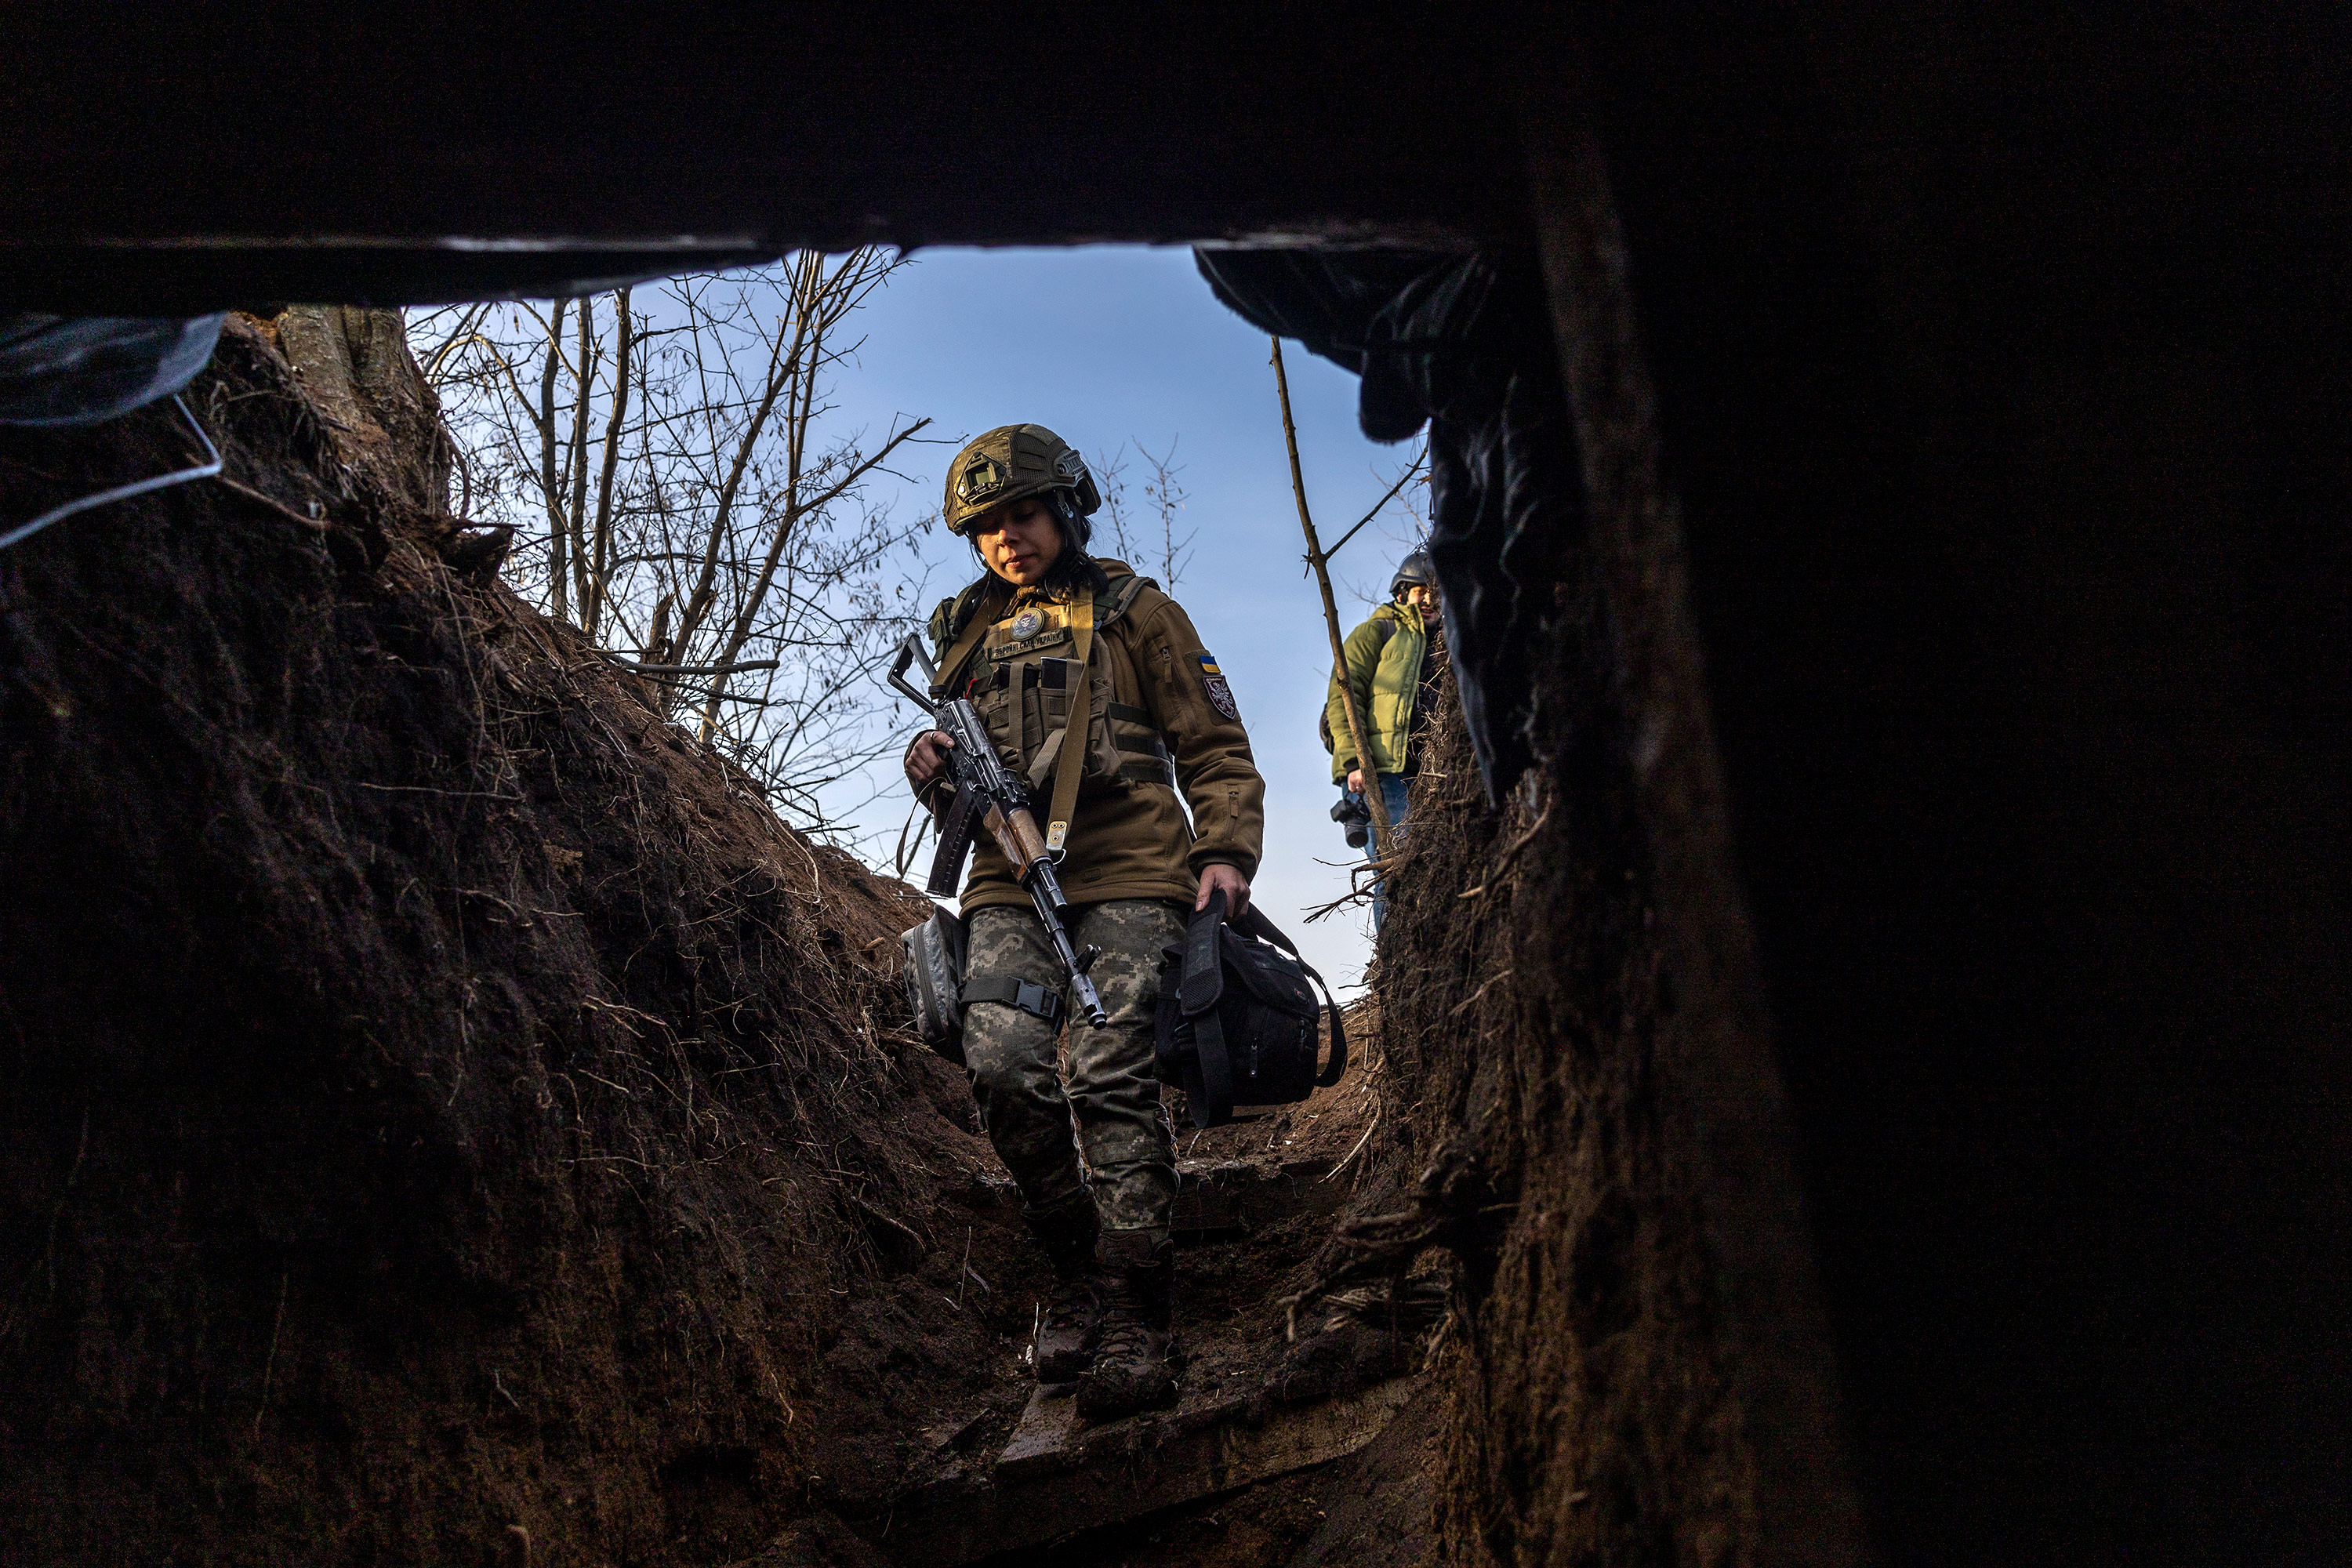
<point>1220,695</point>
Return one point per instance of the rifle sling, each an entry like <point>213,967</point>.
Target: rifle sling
<point>1072,761</point>
<point>1074,728</point>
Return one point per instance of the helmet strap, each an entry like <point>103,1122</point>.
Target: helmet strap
<point>1076,532</point>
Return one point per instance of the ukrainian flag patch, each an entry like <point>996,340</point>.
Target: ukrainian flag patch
<point>1220,695</point>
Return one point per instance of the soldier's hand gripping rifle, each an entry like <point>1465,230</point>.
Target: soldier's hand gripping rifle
<point>985,792</point>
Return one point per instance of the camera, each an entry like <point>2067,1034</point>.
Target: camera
<point>1353,814</point>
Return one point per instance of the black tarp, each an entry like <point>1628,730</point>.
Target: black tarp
<point>1463,343</point>
<point>83,370</point>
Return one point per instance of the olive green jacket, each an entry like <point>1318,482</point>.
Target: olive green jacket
<point>1383,666</point>
<point>1129,839</point>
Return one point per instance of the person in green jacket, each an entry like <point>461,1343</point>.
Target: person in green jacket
<point>1391,667</point>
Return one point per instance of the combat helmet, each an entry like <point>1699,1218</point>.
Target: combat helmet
<point>1415,570</point>
<point>1012,461</point>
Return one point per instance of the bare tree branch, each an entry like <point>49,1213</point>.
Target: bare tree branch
<point>555,524</point>
<point>725,543</point>
<point>741,632</point>
<point>591,602</point>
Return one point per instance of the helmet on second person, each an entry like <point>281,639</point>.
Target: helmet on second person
<point>1415,570</point>
<point>1011,462</point>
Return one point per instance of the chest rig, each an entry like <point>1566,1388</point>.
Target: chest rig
<point>1031,671</point>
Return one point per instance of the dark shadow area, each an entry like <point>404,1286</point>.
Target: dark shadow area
<point>1926,1002</point>
<point>2001,373</point>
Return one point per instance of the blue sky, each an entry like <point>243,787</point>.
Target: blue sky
<point>1114,345</point>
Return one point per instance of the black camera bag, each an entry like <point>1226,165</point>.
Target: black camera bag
<point>1236,1020</point>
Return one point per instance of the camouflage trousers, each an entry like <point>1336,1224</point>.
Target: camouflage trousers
<point>1032,1089</point>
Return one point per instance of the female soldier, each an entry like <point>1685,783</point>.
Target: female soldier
<point>1097,691</point>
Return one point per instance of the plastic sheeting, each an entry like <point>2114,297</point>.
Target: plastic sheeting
<point>80,370</point>
<point>1464,343</point>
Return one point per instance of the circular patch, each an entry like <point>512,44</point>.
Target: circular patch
<point>1026,623</point>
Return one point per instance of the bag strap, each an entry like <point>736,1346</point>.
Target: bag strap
<point>1336,1065</point>
<point>1209,1069</point>
<point>1123,597</point>
<point>1255,923</point>
<point>1025,995</point>
<point>1209,1076</point>
<point>1081,715</point>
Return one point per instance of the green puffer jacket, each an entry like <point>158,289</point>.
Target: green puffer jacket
<point>1383,657</point>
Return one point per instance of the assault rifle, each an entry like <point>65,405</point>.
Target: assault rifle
<point>986,792</point>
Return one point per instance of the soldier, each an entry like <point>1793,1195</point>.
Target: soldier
<point>1391,667</point>
<point>1045,634</point>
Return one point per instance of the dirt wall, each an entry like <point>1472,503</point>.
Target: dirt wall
<point>443,1115</point>
<point>1527,1132</point>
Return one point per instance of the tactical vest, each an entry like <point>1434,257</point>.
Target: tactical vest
<point>1024,678</point>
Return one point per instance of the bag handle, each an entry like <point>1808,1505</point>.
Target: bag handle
<point>1336,1065</point>
<point>1204,976</point>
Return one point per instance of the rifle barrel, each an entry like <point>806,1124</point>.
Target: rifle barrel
<point>1046,894</point>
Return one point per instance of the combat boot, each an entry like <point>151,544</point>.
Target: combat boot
<point>1072,1320</point>
<point>1130,1370</point>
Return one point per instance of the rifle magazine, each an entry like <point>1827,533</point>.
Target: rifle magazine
<point>955,843</point>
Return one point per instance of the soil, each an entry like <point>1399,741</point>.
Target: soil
<point>1260,1525</point>
<point>1370,1510</point>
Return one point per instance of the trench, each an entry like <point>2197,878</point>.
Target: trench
<point>452,1119</point>
<point>1281,1422</point>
